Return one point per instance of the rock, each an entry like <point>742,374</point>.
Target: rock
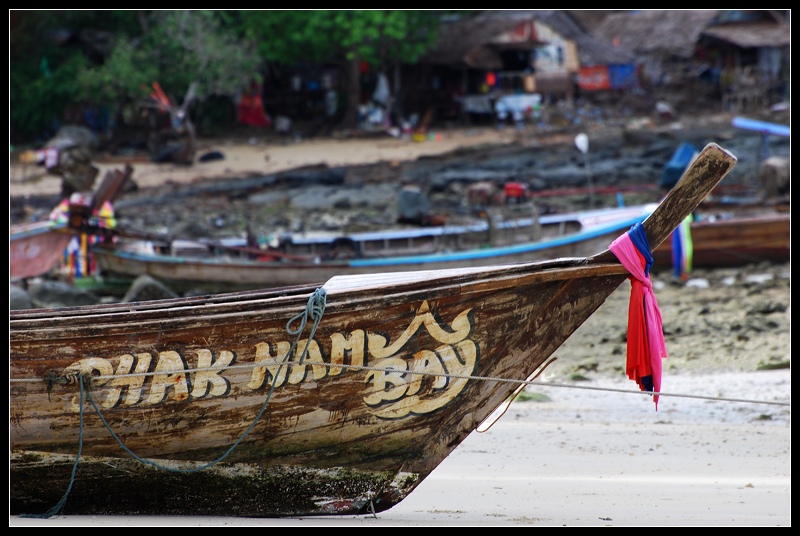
<point>211,156</point>
<point>665,111</point>
<point>76,146</point>
<point>145,288</point>
<point>283,124</point>
<point>167,153</point>
<point>311,175</point>
<point>53,294</point>
<point>698,282</point>
<point>774,176</point>
<point>18,298</point>
<point>412,205</point>
<point>190,228</point>
<point>70,136</point>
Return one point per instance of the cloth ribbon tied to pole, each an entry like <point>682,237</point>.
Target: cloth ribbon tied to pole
<point>682,249</point>
<point>646,345</point>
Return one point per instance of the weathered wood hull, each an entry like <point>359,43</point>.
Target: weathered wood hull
<point>211,405</point>
<point>735,241</point>
<point>381,431</point>
<point>35,249</point>
<point>238,274</point>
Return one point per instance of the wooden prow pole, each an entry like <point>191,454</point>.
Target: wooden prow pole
<point>699,179</point>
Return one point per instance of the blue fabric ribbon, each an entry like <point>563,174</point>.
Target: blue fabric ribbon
<point>639,239</point>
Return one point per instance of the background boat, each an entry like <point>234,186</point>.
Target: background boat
<point>36,248</point>
<point>315,257</point>
<point>734,238</point>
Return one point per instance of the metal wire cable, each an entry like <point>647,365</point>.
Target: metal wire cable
<point>268,363</point>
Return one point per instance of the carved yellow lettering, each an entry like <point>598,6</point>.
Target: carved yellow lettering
<point>298,372</point>
<point>264,355</point>
<point>126,381</point>
<point>352,347</point>
<point>460,329</point>
<point>94,366</point>
<point>428,381</point>
<point>402,384</point>
<point>424,361</point>
<point>387,384</point>
<point>174,378</point>
<point>209,382</point>
<point>460,363</point>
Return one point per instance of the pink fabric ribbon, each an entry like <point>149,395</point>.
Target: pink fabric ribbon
<point>646,345</point>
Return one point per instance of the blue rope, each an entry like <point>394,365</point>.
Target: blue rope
<point>315,308</point>
<point>60,504</point>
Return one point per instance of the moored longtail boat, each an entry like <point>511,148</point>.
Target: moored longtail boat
<point>317,258</point>
<point>36,248</point>
<point>332,399</point>
<point>730,239</point>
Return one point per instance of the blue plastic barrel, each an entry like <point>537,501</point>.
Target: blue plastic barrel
<point>674,169</point>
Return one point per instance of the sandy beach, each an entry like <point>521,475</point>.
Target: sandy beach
<point>263,155</point>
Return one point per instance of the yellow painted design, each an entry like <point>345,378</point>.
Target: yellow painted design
<point>405,383</point>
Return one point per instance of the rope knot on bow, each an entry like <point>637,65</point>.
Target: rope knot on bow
<point>315,309</point>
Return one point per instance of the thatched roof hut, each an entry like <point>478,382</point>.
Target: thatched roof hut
<point>656,32</point>
<point>756,35</point>
<point>677,32</point>
<point>472,41</point>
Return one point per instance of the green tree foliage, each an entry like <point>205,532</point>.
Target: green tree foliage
<point>109,58</point>
<point>376,36</point>
<point>51,70</point>
<point>381,38</point>
<point>49,51</point>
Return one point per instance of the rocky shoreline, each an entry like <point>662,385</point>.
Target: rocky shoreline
<point>337,190</point>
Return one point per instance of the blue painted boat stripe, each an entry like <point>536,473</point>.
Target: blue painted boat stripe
<point>487,253</point>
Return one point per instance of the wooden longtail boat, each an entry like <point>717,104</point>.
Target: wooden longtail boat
<point>307,400</point>
<point>302,259</point>
<point>734,238</point>
<point>36,248</point>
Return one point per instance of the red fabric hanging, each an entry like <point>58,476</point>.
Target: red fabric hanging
<point>646,346</point>
<point>251,108</point>
<point>637,365</point>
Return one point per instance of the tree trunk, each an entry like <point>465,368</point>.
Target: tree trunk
<point>397,104</point>
<point>350,118</point>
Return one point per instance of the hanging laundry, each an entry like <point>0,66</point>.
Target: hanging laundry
<point>646,345</point>
<point>251,108</point>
